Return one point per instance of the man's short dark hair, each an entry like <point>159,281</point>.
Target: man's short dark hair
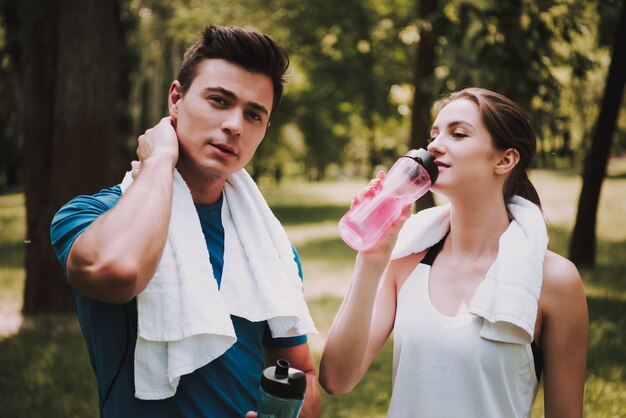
<point>254,51</point>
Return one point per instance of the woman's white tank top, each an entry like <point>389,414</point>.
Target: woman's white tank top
<point>443,368</point>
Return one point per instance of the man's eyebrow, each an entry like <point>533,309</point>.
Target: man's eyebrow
<point>231,95</point>
<point>259,107</point>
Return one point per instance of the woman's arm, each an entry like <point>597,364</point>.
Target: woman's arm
<point>564,337</point>
<point>367,313</point>
<point>361,327</point>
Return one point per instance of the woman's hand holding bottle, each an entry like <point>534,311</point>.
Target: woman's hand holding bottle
<point>380,251</point>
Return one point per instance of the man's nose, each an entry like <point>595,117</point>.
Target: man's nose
<point>233,123</point>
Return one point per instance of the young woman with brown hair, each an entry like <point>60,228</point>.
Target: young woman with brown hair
<point>479,308</point>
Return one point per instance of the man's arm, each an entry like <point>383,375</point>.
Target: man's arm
<point>115,257</point>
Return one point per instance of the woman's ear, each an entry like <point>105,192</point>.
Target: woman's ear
<point>173,98</point>
<point>507,162</point>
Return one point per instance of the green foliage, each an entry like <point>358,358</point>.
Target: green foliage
<point>347,57</point>
<point>347,105</point>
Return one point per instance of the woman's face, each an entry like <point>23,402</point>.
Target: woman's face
<point>463,151</point>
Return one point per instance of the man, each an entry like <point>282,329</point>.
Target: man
<point>111,244</point>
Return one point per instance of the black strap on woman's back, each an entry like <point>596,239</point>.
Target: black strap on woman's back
<point>433,251</point>
<point>538,359</point>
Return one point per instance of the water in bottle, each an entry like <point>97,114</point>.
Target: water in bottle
<point>408,179</point>
<point>282,391</point>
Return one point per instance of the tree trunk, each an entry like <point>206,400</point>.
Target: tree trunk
<point>583,241</point>
<point>10,143</point>
<point>38,22</point>
<point>421,120</point>
<point>69,78</point>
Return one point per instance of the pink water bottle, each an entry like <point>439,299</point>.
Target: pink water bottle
<point>408,179</point>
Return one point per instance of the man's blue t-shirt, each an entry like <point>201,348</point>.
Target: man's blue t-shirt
<point>226,387</point>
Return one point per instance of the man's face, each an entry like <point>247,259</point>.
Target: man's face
<point>221,119</point>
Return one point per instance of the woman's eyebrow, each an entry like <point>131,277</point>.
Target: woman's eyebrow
<point>460,122</point>
<point>453,124</point>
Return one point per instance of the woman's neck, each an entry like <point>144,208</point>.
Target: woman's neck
<point>476,225</point>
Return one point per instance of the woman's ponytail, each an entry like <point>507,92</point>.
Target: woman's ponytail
<point>519,184</point>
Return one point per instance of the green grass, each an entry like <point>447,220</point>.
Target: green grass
<point>12,237</point>
<point>45,372</point>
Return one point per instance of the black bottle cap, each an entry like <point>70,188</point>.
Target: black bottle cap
<point>283,381</point>
<point>427,160</point>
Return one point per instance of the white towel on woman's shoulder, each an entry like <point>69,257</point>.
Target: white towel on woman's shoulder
<point>508,297</point>
<point>184,320</point>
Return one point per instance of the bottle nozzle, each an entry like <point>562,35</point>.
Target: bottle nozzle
<point>427,160</point>
<point>282,368</point>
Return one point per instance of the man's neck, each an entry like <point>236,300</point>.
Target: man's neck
<point>204,190</point>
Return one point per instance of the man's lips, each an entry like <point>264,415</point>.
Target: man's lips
<point>225,149</point>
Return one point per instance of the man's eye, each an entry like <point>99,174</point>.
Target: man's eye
<point>218,99</point>
<point>255,116</point>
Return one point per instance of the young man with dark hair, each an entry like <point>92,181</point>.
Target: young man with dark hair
<point>125,248</point>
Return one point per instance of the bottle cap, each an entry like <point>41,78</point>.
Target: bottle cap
<point>427,160</point>
<point>283,381</point>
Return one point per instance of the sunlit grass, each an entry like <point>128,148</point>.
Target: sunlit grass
<point>12,233</point>
<point>45,371</point>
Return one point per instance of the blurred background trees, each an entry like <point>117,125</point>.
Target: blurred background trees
<point>355,67</point>
<point>363,80</point>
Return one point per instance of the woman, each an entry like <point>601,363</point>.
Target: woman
<point>480,316</point>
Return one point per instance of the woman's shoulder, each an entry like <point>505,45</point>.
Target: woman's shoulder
<point>560,271</point>
<point>562,283</point>
<point>401,268</point>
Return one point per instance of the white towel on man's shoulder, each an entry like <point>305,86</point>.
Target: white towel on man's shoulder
<point>183,318</point>
<point>508,297</point>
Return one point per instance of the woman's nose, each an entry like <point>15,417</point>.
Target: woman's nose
<point>434,146</point>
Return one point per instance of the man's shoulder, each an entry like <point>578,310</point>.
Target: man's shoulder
<point>105,198</point>
<point>76,215</point>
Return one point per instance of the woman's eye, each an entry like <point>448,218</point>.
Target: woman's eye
<point>459,135</point>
